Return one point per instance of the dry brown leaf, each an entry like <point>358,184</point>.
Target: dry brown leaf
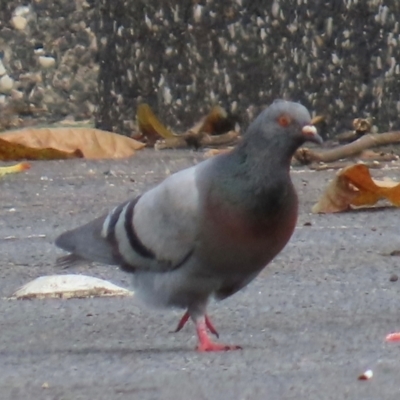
<point>12,169</point>
<point>150,126</point>
<point>214,129</point>
<point>58,143</point>
<point>216,122</point>
<point>353,186</point>
<point>15,151</point>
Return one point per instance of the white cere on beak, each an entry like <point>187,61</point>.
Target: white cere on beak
<point>309,130</point>
<point>311,134</point>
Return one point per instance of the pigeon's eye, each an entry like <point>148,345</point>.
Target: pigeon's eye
<point>284,121</point>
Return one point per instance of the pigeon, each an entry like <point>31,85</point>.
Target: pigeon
<point>207,231</point>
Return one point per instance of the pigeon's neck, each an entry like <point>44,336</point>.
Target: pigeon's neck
<point>257,178</point>
<point>265,154</point>
<point>266,160</point>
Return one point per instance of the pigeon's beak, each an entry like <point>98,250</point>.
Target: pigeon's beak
<point>311,135</point>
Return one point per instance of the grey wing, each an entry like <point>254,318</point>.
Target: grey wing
<point>155,231</point>
<point>160,232</point>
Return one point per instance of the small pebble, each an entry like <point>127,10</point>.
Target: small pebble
<point>19,22</point>
<point>6,84</point>
<point>47,62</point>
<point>393,278</point>
<point>16,94</point>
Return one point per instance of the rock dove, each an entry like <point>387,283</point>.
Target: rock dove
<point>206,231</point>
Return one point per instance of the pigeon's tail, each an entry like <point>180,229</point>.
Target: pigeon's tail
<point>86,243</point>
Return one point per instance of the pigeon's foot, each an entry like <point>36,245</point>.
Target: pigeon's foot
<point>205,343</point>
<point>212,346</point>
<point>208,322</point>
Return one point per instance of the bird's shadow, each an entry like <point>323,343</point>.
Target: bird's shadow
<point>118,351</point>
<point>124,351</point>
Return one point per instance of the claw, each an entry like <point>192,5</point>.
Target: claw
<point>210,326</point>
<point>212,346</point>
<point>205,343</point>
<point>182,322</point>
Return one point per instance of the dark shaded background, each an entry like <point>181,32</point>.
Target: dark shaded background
<point>339,58</point>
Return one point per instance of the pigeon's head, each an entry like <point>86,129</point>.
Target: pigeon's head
<point>287,122</point>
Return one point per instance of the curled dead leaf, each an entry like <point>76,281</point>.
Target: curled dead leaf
<point>150,126</point>
<point>353,186</point>
<point>362,125</point>
<point>216,122</point>
<point>64,143</point>
<point>213,130</point>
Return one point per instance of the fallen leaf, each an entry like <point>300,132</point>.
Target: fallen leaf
<point>61,143</point>
<point>67,287</point>
<point>14,168</point>
<point>150,126</point>
<point>353,186</point>
<point>10,151</point>
<point>362,125</point>
<point>216,122</point>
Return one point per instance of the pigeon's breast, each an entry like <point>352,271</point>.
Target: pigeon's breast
<point>236,237</point>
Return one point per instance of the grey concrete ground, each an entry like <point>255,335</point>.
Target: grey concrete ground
<point>309,325</point>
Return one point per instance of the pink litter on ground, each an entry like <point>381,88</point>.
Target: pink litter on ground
<point>393,337</point>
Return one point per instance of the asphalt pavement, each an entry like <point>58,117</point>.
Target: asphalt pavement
<point>309,325</point>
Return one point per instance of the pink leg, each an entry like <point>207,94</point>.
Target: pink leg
<point>182,321</point>
<point>208,322</point>
<point>205,343</point>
